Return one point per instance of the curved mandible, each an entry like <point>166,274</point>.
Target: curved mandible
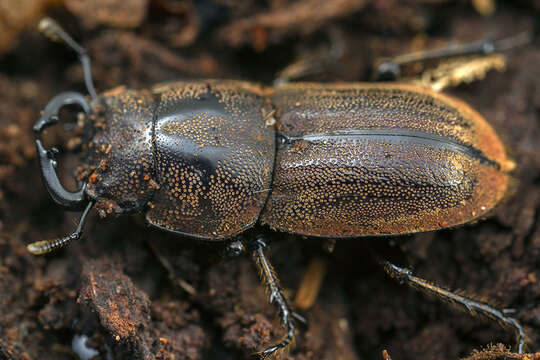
<point>50,114</point>
<point>47,158</point>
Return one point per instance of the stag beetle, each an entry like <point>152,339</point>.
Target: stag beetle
<point>209,159</point>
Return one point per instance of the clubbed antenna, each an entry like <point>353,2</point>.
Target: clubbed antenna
<point>46,246</point>
<point>53,31</point>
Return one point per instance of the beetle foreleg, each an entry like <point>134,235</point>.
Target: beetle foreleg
<point>45,246</point>
<point>269,277</point>
<point>462,301</point>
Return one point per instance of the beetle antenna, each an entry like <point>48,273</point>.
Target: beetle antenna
<point>53,31</point>
<point>46,246</point>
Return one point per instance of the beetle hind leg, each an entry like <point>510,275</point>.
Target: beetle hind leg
<point>269,277</point>
<point>459,299</point>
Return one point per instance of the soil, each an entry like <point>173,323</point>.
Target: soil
<point>138,293</point>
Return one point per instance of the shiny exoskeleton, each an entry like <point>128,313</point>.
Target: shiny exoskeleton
<point>210,159</point>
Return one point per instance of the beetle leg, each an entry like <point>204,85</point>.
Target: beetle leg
<point>175,279</point>
<point>461,301</point>
<point>390,70</point>
<point>46,246</point>
<point>268,276</point>
<point>314,61</point>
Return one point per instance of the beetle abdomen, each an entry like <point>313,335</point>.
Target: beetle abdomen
<point>366,160</point>
<point>214,158</point>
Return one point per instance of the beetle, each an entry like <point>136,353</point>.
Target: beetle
<point>209,159</point>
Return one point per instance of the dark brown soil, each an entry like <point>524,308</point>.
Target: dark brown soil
<point>139,293</point>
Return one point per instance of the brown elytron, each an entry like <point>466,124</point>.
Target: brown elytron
<point>364,159</point>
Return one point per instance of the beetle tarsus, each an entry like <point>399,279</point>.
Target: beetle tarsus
<point>45,246</point>
<point>467,303</point>
<point>271,282</point>
<point>302,320</point>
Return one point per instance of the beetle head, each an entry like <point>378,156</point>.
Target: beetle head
<point>120,159</point>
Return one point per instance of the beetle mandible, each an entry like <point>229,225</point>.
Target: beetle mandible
<point>209,159</point>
